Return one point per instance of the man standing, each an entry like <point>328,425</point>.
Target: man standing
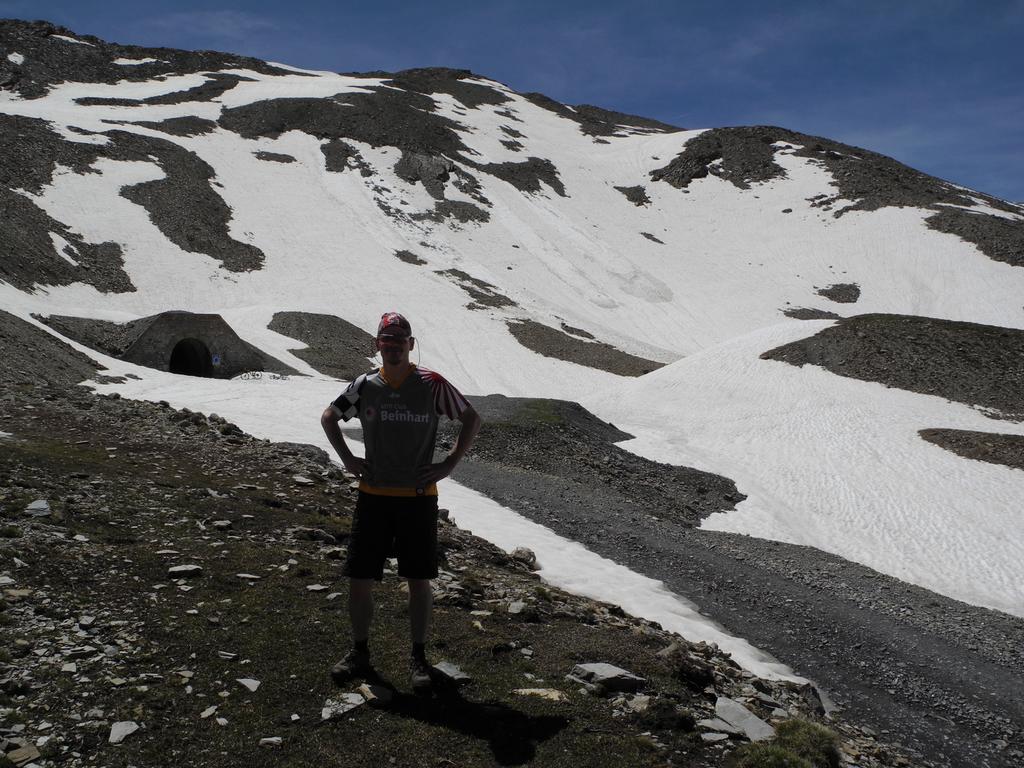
<point>399,405</point>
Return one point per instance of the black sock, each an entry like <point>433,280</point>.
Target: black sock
<point>419,650</point>
<point>362,646</point>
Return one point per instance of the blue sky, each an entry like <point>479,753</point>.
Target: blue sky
<point>937,84</point>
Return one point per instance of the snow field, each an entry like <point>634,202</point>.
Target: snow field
<point>836,464</point>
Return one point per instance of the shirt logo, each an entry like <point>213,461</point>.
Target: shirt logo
<point>407,417</point>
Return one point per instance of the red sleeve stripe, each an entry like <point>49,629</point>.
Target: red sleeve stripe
<point>448,401</point>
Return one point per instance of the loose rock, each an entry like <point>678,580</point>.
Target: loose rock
<point>23,755</point>
<point>452,673</point>
<point>376,693</point>
<point>339,706</point>
<point>737,715</point>
<point>607,676</point>
<point>38,508</point>
<point>184,571</point>
<point>552,694</point>
<point>121,730</point>
<point>525,556</point>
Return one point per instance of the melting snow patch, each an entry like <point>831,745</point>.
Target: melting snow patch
<point>67,39</point>
<point>982,207</point>
<point>571,566</point>
<point>63,248</point>
<point>16,58</point>
<point>133,62</point>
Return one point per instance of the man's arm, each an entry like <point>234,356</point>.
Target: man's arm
<point>470,426</point>
<point>329,421</point>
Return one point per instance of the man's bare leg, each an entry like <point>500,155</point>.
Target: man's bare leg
<point>421,602</point>
<point>360,608</point>
<point>360,612</point>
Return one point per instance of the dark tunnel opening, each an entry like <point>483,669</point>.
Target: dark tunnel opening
<point>191,358</point>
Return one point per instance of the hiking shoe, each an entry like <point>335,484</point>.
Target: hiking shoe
<point>419,673</point>
<point>356,663</point>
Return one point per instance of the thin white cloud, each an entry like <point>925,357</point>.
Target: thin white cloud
<point>217,25</point>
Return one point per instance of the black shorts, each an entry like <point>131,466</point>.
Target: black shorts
<point>393,526</point>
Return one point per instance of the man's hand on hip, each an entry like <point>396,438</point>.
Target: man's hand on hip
<point>432,473</point>
<point>356,465</point>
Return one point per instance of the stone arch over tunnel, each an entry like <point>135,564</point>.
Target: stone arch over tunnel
<point>194,345</point>
<point>191,357</point>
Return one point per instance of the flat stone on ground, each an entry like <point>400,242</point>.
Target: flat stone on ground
<point>121,730</point>
<point>23,755</point>
<point>184,571</point>
<point>710,738</point>
<point>736,714</point>
<point>38,508</point>
<point>339,706</point>
<point>608,676</point>
<point>451,672</point>
<point>717,724</point>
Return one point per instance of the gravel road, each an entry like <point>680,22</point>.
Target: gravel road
<point>941,677</point>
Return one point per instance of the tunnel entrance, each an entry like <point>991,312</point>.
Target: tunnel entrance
<point>191,357</point>
<point>193,344</point>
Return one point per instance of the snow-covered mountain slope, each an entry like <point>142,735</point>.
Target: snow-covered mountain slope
<point>518,234</point>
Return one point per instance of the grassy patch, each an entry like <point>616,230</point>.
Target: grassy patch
<point>540,411</point>
<point>767,756</point>
<point>44,449</point>
<point>797,744</point>
<point>816,743</point>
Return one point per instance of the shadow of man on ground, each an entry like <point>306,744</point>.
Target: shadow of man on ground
<point>512,735</point>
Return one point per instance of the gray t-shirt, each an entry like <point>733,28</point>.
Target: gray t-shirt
<point>399,425</point>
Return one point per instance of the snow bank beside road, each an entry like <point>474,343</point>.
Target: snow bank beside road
<point>837,464</point>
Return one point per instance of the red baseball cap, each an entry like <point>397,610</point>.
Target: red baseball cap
<point>392,320</point>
